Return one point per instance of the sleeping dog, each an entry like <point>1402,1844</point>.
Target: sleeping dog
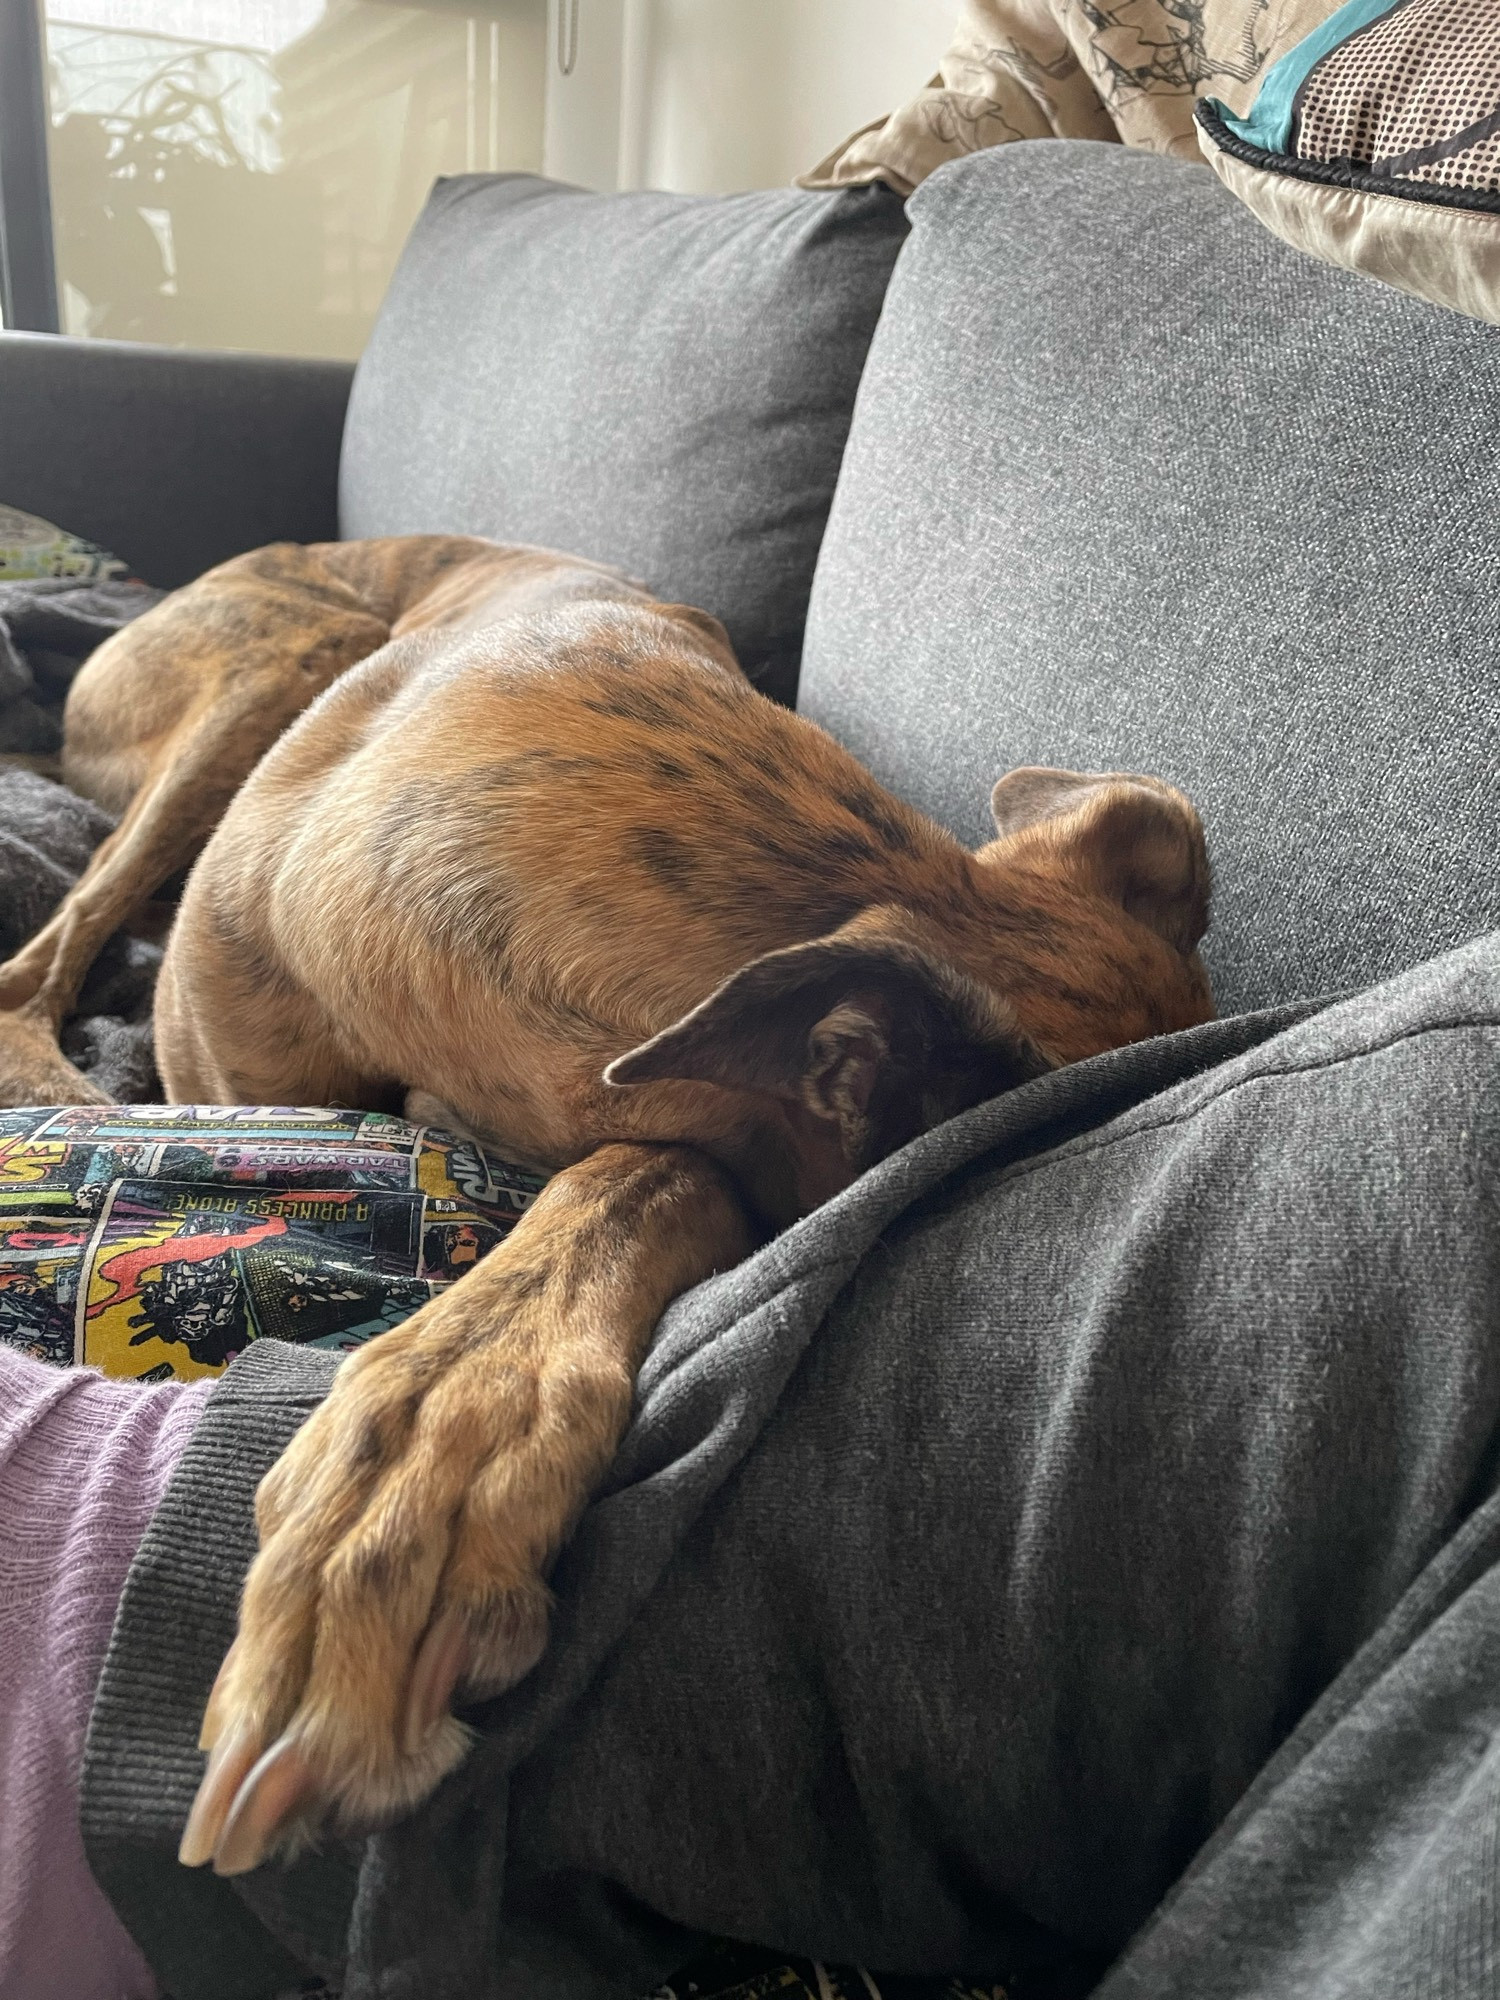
<point>496,829</point>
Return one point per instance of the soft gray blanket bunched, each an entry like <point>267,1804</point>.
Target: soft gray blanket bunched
<point>48,625</point>
<point>1101,1489</point>
<point>47,833</point>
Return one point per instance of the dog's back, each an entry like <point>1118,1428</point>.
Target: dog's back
<point>540,826</point>
<point>253,641</point>
<point>507,847</point>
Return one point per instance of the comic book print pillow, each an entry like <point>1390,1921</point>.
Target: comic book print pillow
<point>1375,143</point>
<point>159,1240</point>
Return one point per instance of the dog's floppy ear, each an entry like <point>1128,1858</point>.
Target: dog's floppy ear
<point>1137,840</point>
<point>705,624</point>
<point>876,1037</point>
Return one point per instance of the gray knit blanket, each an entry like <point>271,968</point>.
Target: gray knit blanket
<point>48,627</point>
<point>47,833</point>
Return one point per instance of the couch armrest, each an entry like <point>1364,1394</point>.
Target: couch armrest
<point>175,460</point>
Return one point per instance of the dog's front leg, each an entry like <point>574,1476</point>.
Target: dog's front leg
<point>406,1531</point>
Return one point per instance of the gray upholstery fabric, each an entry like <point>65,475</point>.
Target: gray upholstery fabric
<point>971,1550</point>
<point>659,381</point>
<point>174,460</point>
<point>1131,483</point>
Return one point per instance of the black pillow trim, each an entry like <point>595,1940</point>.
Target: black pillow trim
<point>1350,174</point>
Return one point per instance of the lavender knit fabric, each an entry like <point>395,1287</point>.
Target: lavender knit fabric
<point>83,1463</point>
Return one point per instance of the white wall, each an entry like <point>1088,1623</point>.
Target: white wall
<point>708,96</point>
<point>581,125</point>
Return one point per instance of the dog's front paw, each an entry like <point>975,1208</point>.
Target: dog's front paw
<point>405,1534</point>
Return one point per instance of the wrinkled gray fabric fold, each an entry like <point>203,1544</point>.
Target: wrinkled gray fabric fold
<point>972,1550</point>
<point>1364,1858</point>
<point>141,1762</point>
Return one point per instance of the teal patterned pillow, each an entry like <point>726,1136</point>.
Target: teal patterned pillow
<point>30,547</point>
<point>1374,143</point>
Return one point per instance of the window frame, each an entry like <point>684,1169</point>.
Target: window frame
<point>28,269</point>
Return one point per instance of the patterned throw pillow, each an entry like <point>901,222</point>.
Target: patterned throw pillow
<point>30,547</point>
<point>1129,70</point>
<point>1375,144</point>
<point>1367,134</point>
<point>159,1240</point>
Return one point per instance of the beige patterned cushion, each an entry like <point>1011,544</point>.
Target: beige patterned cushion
<point>1415,95</point>
<point>1367,134</point>
<point>1074,69</point>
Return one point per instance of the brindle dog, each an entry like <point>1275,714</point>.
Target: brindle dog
<point>543,855</point>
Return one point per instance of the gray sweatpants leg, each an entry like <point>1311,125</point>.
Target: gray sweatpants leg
<point>1102,1465</point>
<point>973,1549</point>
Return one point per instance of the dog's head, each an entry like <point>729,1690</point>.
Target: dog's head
<point>1074,931</point>
<point>1096,895</point>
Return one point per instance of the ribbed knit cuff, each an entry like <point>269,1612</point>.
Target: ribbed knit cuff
<point>207,1937</point>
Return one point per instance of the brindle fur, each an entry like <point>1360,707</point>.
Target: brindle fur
<point>539,859</point>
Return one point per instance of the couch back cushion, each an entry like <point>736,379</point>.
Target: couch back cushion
<point>1133,485</point>
<point>659,381</point>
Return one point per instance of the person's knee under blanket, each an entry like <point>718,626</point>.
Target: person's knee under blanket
<point>972,1550</point>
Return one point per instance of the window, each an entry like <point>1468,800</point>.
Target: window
<point>243,173</point>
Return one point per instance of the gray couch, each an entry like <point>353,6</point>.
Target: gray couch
<point>1074,1548</point>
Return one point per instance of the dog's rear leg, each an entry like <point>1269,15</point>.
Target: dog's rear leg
<point>406,1531</point>
<point>164,827</point>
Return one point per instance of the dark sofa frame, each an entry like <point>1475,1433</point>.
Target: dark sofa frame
<point>173,459</point>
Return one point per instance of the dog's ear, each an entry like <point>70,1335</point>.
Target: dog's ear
<point>1136,840</point>
<point>705,624</point>
<point>875,1037</point>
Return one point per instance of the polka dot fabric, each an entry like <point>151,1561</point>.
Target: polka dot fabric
<point>1413,96</point>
